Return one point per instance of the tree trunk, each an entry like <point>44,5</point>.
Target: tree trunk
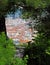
<point>2,24</point>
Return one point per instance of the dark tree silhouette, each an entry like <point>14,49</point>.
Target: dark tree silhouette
<point>2,24</point>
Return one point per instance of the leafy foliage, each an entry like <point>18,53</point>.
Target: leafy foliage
<point>20,61</point>
<point>38,3</point>
<point>39,51</point>
<point>3,7</point>
<point>7,53</point>
<point>7,50</point>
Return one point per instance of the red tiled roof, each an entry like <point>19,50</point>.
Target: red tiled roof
<point>18,32</point>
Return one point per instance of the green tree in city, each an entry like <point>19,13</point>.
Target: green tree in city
<point>5,7</point>
<point>3,11</point>
<point>39,51</point>
<point>7,52</point>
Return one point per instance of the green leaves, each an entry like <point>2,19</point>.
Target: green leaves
<point>37,3</point>
<point>7,50</point>
<point>20,61</point>
<point>3,7</point>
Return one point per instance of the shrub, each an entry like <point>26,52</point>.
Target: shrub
<point>39,51</point>
<point>7,51</point>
